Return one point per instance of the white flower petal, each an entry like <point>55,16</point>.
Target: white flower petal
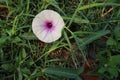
<point>56,35</point>
<point>45,34</point>
<point>60,24</point>
<point>49,14</point>
<point>37,25</point>
<point>50,36</point>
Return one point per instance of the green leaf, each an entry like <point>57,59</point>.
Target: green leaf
<point>78,20</point>
<point>16,40</point>
<point>111,42</point>
<point>101,70</point>
<point>28,36</point>
<point>35,73</point>
<point>20,75</point>
<point>26,71</point>
<point>102,59</point>
<point>3,40</point>
<point>91,38</point>
<point>117,32</point>
<point>3,0</point>
<point>113,71</point>
<point>23,53</point>
<point>64,72</point>
<point>30,62</point>
<point>114,60</point>
<point>8,67</point>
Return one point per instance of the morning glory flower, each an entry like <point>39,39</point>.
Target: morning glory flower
<point>47,26</point>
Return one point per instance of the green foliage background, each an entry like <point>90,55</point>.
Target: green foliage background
<point>93,26</point>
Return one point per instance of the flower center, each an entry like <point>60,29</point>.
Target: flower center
<point>49,25</point>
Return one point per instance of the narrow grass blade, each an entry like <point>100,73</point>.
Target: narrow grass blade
<point>77,20</point>
<point>67,39</point>
<point>97,5</point>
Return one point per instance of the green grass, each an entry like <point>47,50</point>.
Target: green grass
<point>92,32</point>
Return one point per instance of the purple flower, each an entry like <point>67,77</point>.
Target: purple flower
<point>47,26</point>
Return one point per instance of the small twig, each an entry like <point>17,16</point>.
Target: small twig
<point>103,15</point>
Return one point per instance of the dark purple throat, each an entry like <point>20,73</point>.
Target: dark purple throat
<point>49,25</point>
